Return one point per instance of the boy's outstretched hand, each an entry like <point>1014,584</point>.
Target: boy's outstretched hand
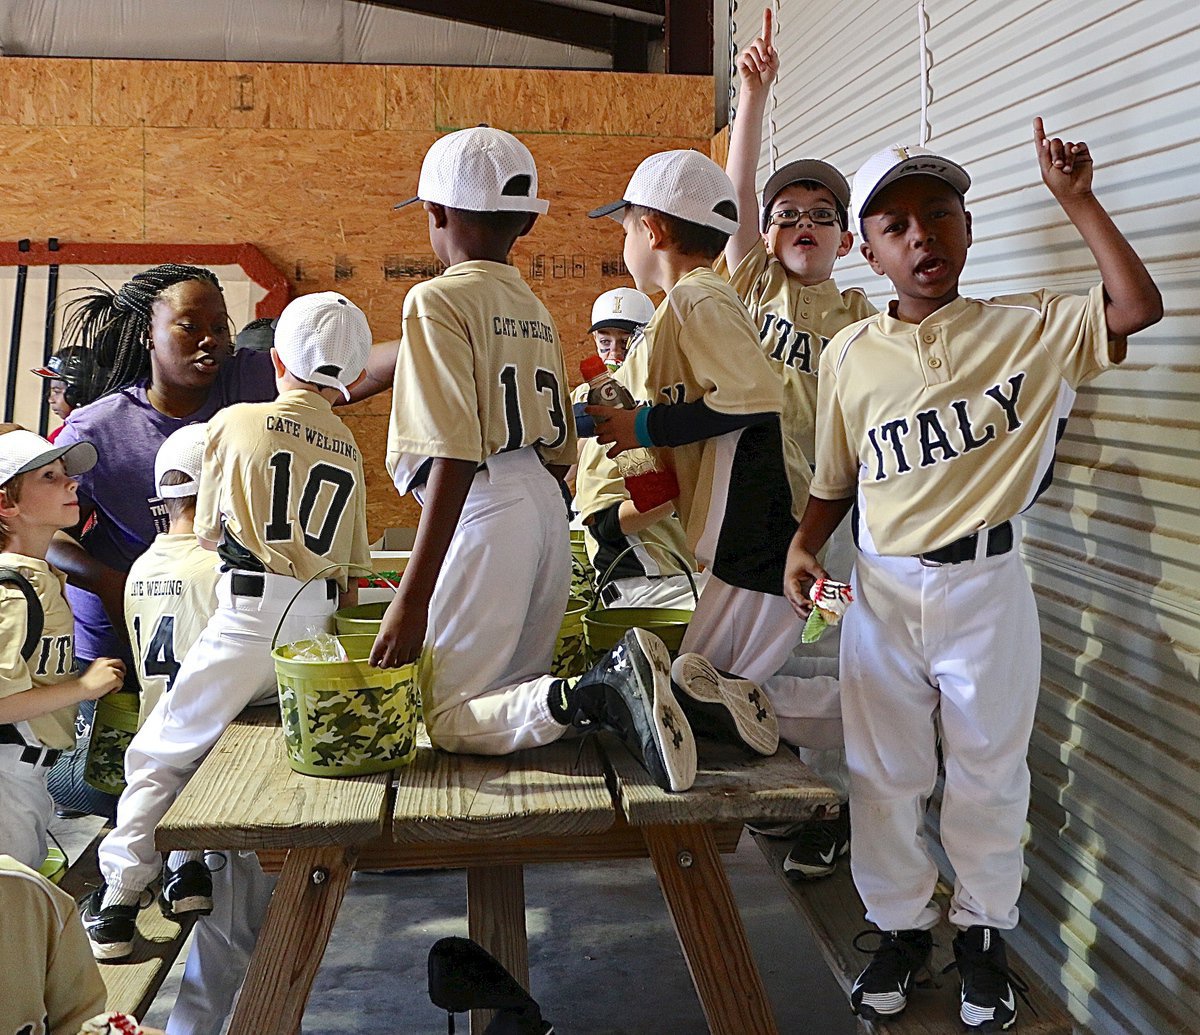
<point>1066,165</point>
<point>758,64</point>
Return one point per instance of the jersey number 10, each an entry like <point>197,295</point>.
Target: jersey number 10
<point>279,529</point>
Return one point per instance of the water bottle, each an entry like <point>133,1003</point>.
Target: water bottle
<point>650,483</point>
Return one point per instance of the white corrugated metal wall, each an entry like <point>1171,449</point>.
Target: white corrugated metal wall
<point>1111,909</point>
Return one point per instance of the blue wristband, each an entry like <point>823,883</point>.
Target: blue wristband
<point>641,426</point>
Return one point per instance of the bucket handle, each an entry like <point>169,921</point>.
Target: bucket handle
<point>606,577</point>
<point>328,568</point>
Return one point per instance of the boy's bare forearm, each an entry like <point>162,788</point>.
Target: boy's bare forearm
<point>820,519</point>
<point>40,700</point>
<point>378,374</point>
<point>745,141</point>
<point>1133,299</point>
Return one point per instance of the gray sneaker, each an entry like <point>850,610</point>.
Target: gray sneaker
<point>725,707</point>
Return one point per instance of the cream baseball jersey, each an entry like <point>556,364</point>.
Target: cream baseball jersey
<point>735,501</point>
<point>170,594</point>
<point>479,372</point>
<point>949,426</point>
<point>795,322</point>
<point>54,659</point>
<point>284,481</point>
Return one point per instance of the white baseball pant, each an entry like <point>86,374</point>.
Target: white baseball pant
<point>227,668</point>
<point>221,947</point>
<point>25,807</point>
<point>496,613</point>
<point>956,647</point>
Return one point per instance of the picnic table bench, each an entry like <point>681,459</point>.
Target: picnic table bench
<point>566,802</point>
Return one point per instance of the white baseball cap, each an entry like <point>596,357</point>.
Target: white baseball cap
<point>470,169</point>
<point>684,184</point>
<point>22,451</point>
<point>623,307</point>
<point>182,451</point>
<point>897,161</point>
<point>324,338</point>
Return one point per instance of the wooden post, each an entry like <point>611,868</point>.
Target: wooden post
<point>710,929</point>
<point>496,920</point>
<point>293,939</point>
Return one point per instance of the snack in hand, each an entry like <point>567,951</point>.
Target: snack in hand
<point>111,1024</point>
<point>830,600</point>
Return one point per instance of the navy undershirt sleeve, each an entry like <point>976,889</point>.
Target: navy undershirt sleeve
<point>677,424</point>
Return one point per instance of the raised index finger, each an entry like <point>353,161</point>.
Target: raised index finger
<point>1039,131</point>
<point>768,18</point>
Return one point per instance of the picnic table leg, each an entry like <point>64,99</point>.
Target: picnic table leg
<point>292,941</point>
<point>496,920</point>
<point>710,929</point>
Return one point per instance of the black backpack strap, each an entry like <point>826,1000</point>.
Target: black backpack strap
<point>37,617</point>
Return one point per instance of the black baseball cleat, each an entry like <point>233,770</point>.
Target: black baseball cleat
<point>818,845</point>
<point>724,707</point>
<point>186,891</point>
<point>629,693</point>
<point>988,1000</point>
<point>882,989</point>
<point>110,930</point>
<point>463,976</point>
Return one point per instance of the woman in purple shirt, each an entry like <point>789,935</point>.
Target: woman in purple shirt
<point>165,337</point>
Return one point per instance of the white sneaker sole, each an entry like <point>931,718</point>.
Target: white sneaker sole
<point>196,905</point>
<point>745,701</point>
<point>111,950</point>
<point>672,733</point>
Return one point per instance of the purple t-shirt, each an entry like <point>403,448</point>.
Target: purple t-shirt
<point>127,431</point>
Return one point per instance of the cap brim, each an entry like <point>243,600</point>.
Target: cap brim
<point>77,458</point>
<point>807,169</point>
<point>609,210</point>
<point>47,372</point>
<point>621,325</point>
<point>402,204</point>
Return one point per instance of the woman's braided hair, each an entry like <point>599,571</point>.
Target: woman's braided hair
<point>115,324</point>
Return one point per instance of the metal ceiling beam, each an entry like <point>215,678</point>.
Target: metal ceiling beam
<point>537,18</point>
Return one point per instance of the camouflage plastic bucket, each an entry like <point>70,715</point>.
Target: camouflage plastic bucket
<point>113,728</point>
<point>345,718</point>
<point>361,619</point>
<point>570,654</point>
<point>582,586</point>
<point>604,628</point>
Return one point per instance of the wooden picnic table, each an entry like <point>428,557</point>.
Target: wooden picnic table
<point>566,802</point>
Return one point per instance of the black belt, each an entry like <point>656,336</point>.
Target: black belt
<point>243,585</point>
<point>999,540</point>
<point>29,754</point>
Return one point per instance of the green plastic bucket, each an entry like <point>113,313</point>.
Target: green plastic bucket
<point>362,619</point>
<point>345,718</point>
<point>570,654</point>
<point>54,865</point>
<point>603,629</point>
<point>113,728</point>
<point>582,585</point>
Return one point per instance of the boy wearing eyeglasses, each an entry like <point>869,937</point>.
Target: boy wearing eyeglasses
<point>780,263</point>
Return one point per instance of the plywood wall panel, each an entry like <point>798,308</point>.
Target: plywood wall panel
<point>244,95</point>
<point>544,101</point>
<point>45,92</point>
<point>409,92</point>
<point>78,183</point>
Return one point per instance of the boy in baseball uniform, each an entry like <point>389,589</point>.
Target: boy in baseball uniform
<point>939,419</point>
<point>282,501</point>
<point>780,262</point>
<point>39,686</point>
<point>481,433</point>
<point>710,404</point>
<point>646,547</point>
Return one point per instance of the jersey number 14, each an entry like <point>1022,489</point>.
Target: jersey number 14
<point>158,656</point>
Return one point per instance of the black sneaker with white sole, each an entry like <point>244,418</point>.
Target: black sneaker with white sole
<point>186,891</point>
<point>629,693</point>
<point>818,845</point>
<point>724,707</point>
<point>110,931</point>
<point>988,1000</point>
<point>882,989</point>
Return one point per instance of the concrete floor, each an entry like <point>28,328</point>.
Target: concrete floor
<point>604,959</point>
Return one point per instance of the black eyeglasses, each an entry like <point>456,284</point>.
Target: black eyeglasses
<point>792,216</point>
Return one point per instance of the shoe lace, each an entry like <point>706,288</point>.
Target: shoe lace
<point>988,965</point>
<point>891,951</point>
